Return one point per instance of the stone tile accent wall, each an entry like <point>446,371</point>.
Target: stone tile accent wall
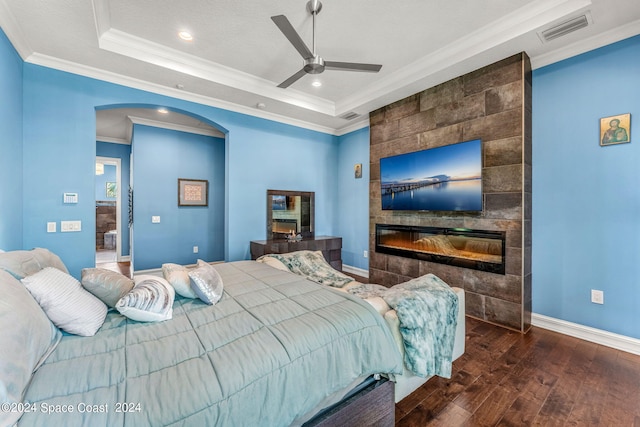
<point>105,221</point>
<point>492,104</point>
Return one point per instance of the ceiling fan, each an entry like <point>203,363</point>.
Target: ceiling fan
<point>314,64</point>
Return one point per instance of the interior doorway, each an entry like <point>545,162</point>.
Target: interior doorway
<point>108,195</point>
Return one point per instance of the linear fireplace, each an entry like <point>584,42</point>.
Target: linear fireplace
<point>462,247</point>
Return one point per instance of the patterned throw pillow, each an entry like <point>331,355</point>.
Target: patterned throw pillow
<point>107,285</point>
<point>150,300</point>
<point>178,276</point>
<point>66,303</point>
<point>206,282</point>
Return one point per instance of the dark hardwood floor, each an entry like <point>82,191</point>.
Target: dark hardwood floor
<point>539,379</point>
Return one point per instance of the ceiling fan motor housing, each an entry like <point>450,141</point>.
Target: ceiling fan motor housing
<point>314,7</point>
<point>314,65</point>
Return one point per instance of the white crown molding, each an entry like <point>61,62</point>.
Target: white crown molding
<point>423,73</point>
<point>108,76</point>
<point>144,50</point>
<point>101,16</point>
<point>112,140</point>
<point>354,126</point>
<point>598,336</point>
<point>174,126</point>
<point>9,25</point>
<point>585,45</point>
<point>513,25</point>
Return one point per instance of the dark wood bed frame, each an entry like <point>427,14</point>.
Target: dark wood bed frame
<point>373,405</point>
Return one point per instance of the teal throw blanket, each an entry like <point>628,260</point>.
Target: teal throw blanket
<point>427,309</point>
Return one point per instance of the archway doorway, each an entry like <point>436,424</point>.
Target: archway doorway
<point>132,125</point>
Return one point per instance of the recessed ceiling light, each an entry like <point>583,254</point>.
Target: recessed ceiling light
<point>316,83</point>
<point>185,35</point>
<point>163,110</point>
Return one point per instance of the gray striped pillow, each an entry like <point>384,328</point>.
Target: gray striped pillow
<point>66,303</point>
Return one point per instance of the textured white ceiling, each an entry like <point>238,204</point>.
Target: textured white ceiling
<point>239,56</point>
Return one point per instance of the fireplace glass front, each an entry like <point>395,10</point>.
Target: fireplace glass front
<point>462,247</point>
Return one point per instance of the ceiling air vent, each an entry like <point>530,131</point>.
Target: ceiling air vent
<point>349,116</point>
<point>564,28</point>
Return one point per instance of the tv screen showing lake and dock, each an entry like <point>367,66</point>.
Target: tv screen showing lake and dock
<point>447,178</point>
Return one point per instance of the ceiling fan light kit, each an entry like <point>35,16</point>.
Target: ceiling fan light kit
<point>314,64</point>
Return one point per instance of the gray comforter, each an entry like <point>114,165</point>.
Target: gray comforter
<point>273,348</point>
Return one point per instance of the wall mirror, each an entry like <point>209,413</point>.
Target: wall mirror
<point>290,211</point>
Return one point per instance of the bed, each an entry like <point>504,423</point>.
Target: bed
<point>275,350</point>
<point>444,332</point>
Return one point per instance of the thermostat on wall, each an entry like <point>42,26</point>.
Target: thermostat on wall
<point>70,198</point>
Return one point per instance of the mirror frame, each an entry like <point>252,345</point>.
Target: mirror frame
<point>312,204</point>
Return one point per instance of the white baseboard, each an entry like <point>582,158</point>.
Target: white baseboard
<point>355,270</point>
<point>598,336</point>
<point>158,271</point>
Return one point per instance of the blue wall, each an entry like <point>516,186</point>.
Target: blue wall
<point>353,198</point>
<point>11,147</point>
<point>586,202</point>
<point>59,109</point>
<point>122,152</point>
<point>586,206</point>
<point>162,156</point>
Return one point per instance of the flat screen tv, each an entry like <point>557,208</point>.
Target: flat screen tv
<point>447,178</point>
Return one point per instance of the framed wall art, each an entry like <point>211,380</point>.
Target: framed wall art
<point>615,129</point>
<point>111,190</point>
<point>193,192</point>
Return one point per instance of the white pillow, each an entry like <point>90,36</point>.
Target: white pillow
<point>178,276</point>
<point>150,300</point>
<point>27,338</point>
<point>66,303</point>
<point>206,282</point>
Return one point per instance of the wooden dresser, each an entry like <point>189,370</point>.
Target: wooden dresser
<point>330,246</point>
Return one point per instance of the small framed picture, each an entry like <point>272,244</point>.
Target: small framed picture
<point>357,169</point>
<point>615,129</point>
<point>193,192</point>
<point>112,190</point>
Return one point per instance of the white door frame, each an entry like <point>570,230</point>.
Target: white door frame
<point>118,164</point>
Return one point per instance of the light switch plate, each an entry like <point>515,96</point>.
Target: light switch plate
<point>51,227</point>
<point>155,219</point>
<point>68,226</point>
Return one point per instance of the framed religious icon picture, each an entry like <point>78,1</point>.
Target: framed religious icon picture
<point>615,129</point>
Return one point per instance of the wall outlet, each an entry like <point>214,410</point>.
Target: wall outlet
<point>195,249</point>
<point>366,254</point>
<point>155,219</point>
<point>597,297</point>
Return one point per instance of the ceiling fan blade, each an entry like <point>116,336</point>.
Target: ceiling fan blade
<point>291,34</point>
<point>291,80</point>
<point>352,66</point>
